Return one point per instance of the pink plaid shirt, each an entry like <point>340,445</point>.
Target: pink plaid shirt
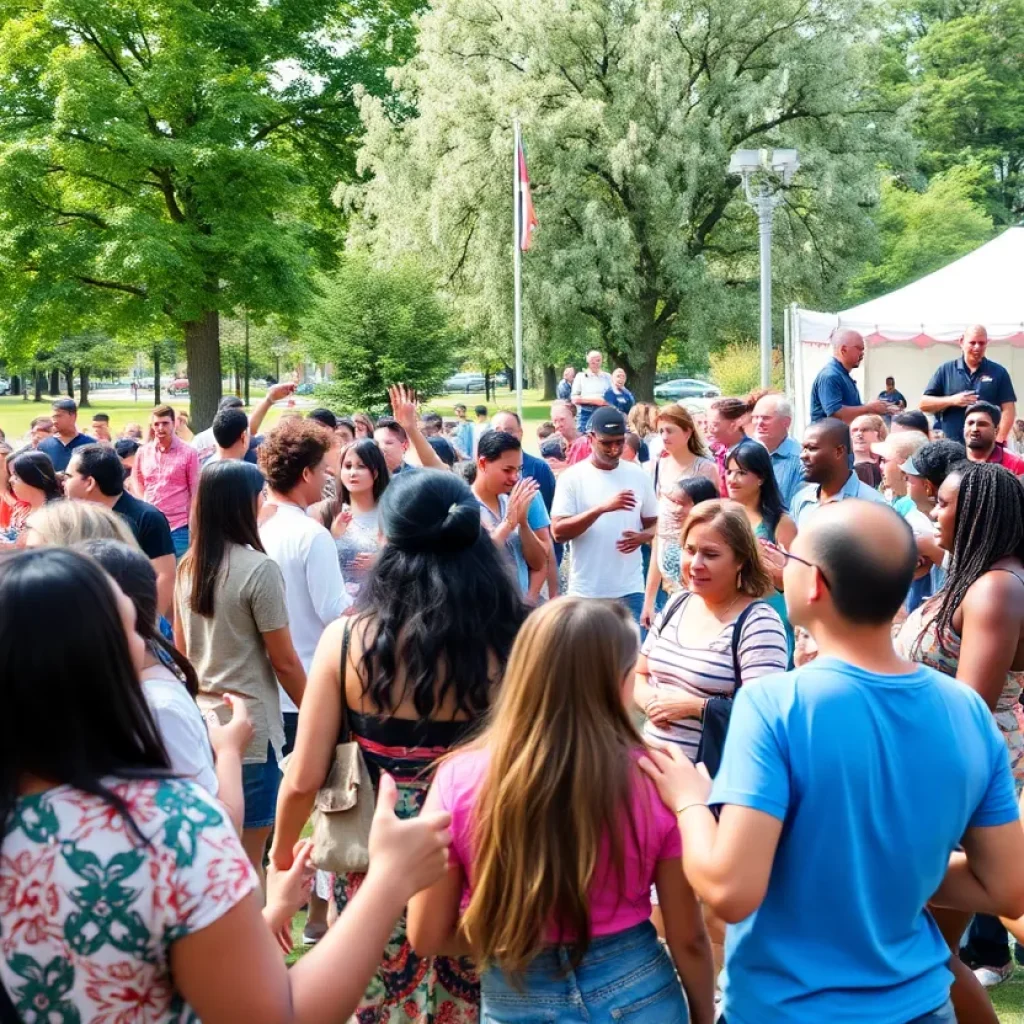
<point>168,479</point>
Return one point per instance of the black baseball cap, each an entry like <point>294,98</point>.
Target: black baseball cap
<point>125,447</point>
<point>607,422</point>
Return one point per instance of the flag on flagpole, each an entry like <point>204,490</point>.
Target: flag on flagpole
<point>527,217</point>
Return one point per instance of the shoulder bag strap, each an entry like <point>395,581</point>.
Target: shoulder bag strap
<point>346,729</point>
<point>737,636</point>
<point>671,609</point>
<point>657,467</point>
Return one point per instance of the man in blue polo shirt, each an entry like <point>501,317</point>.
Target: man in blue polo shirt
<point>834,392</point>
<point>960,383</point>
<point>854,792</point>
<point>66,436</point>
<point>826,460</point>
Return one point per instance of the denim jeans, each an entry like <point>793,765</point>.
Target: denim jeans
<point>179,538</point>
<point>634,604</point>
<point>988,945</point>
<point>943,1015</point>
<point>626,977</point>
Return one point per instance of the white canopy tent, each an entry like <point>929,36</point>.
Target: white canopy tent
<point>910,331</point>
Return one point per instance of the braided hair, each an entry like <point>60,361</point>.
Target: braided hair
<point>989,526</point>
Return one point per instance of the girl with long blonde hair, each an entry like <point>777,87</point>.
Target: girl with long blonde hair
<point>557,839</point>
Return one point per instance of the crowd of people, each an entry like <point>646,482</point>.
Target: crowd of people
<point>539,659</point>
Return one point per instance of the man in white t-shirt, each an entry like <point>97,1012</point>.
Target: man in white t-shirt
<point>588,390</point>
<point>607,509</point>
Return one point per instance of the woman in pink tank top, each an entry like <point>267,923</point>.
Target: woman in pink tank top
<point>558,838</point>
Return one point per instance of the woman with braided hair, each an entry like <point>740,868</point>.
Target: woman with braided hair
<point>973,629</point>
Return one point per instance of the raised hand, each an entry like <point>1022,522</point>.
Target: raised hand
<point>278,391</point>
<point>519,501</point>
<point>403,406</point>
<point>413,854</point>
<point>341,522</point>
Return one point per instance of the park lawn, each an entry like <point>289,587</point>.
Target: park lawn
<point>1008,999</point>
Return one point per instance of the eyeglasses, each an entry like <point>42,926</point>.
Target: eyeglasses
<point>810,565</point>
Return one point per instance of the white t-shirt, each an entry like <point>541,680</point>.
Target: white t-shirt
<point>314,590</point>
<point>920,523</point>
<point>181,726</point>
<point>590,385</point>
<point>598,568</point>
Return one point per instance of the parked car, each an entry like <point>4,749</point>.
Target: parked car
<point>306,388</point>
<point>686,387</point>
<point>179,386</point>
<point>5,387</point>
<point>465,382</point>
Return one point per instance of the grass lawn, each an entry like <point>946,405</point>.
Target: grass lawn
<point>1008,999</point>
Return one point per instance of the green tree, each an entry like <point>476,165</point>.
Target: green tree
<point>167,162</point>
<point>631,111</point>
<point>968,75</point>
<point>922,231</point>
<point>379,326</point>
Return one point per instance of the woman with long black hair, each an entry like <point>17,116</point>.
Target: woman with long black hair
<point>126,892</point>
<point>170,685</point>
<point>33,484</point>
<point>232,623</point>
<point>973,629</point>
<point>413,674</point>
<point>353,516</point>
<point>750,481</point>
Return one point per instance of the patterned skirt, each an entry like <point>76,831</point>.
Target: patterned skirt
<point>408,989</point>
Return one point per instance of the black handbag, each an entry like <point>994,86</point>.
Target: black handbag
<point>718,710</point>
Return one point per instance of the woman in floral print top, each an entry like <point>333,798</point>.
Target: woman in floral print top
<point>125,894</point>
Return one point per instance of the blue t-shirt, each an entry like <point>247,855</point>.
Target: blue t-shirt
<point>990,380</point>
<point>876,778</point>
<point>833,389</point>
<point>539,470</point>
<point>59,452</point>
<point>622,400</point>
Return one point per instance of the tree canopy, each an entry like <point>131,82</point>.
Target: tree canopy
<point>162,163</point>
<point>380,325</point>
<point>630,111</point>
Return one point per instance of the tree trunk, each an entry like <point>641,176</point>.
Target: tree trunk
<point>202,350</point>
<point>550,383</point>
<point>83,386</point>
<point>54,384</point>
<point>156,375</point>
<point>69,377</point>
<point>40,384</point>
<point>16,385</point>
<point>238,379</point>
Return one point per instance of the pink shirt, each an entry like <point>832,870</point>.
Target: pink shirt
<point>168,479</point>
<point>612,909</point>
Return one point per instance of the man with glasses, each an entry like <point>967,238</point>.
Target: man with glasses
<point>859,789</point>
<point>607,509</point>
<point>830,477</point>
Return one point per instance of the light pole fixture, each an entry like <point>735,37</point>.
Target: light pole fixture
<point>762,170</point>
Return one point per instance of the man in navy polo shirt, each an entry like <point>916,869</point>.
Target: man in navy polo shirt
<point>960,383</point>
<point>66,435</point>
<point>834,392</point>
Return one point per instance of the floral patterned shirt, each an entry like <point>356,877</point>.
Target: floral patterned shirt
<point>88,914</point>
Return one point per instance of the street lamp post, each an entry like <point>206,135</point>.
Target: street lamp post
<point>761,171</point>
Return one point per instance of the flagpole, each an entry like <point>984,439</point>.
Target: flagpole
<point>517,269</point>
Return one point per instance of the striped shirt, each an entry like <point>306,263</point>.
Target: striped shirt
<point>703,667</point>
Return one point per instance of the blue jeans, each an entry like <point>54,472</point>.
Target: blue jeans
<point>634,604</point>
<point>943,1015</point>
<point>626,977</point>
<point>260,783</point>
<point>179,538</point>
